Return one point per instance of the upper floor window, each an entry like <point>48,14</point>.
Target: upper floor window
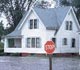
<point>33,24</point>
<point>68,25</point>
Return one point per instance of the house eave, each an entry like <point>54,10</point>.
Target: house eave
<point>51,28</point>
<point>19,36</point>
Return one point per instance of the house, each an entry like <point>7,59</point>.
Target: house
<point>39,25</point>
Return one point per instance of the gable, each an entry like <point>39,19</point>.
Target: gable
<point>70,17</point>
<point>32,16</point>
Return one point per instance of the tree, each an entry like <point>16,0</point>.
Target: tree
<point>65,2</point>
<point>75,4</point>
<point>14,10</point>
<point>1,30</point>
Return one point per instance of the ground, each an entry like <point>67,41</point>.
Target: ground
<point>39,63</point>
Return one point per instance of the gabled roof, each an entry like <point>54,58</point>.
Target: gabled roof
<point>15,33</point>
<point>52,18</point>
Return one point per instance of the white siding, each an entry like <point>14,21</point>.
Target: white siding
<point>46,35</point>
<point>33,33</point>
<point>50,34</point>
<point>69,34</point>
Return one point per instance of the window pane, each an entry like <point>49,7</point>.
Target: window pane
<point>33,43</point>
<point>35,23</point>
<point>54,40</point>
<point>38,43</point>
<point>11,42</point>
<point>64,41</point>
<point>31,24</point>
<point>67,24</point>
<point>70,25</point>
<point>28,42</point>
<point>73,43</point>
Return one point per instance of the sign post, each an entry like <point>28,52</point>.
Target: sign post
<point>49,47</point>
<point>50,61</point>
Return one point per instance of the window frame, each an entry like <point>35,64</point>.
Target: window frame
<point>38,42</point>
<point>31,24</point>
<point>28,43</point>
<point>73,43</point>
<point>35,43</point>
<point>65,41</point>
<point>34,24</point>
<point>69,25</point>
<point>11,42</point>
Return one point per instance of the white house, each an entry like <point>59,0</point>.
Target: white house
<point>39,25</point>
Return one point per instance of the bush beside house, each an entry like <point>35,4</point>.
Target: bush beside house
<point>1,49</point>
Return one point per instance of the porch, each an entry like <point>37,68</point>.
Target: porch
<point>13,43</point>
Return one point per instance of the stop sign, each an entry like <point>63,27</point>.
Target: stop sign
<point>49,47</point>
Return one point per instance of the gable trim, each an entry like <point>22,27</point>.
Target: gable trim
<point>75,18</point>
<point>37,16</point>
<point>24,19</point>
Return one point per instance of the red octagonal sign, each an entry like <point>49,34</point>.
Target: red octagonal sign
<point>49,47</point>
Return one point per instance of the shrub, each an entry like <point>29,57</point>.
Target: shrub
<point>1,48</point>
<point>1,45</point>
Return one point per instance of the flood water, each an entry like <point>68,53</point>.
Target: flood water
<point>39,63</point>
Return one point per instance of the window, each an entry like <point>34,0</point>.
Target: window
<point>33,43</point>
<point>68,25</point>
<point>28,42</point>
<point>54,40</point>
<point>38,42</point>
<point>73,42</point>
<point>65,41</point>
<point>11,42</point>
<point>33,24</point>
